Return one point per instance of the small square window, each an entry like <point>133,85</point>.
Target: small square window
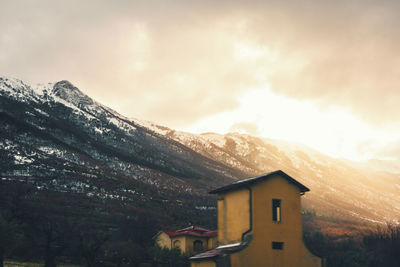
<point>277,245</point>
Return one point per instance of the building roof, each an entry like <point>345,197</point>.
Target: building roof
<point>253,180</point>
<point>226,249</point>
<point>192,231</point>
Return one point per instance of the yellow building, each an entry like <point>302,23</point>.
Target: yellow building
<point>259,224</point>
<point>190,240</point>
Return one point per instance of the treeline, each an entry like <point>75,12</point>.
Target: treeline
<point>368,248</point>
<point>62,227</point>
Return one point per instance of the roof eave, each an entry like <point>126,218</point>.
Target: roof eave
<point>253,180</point>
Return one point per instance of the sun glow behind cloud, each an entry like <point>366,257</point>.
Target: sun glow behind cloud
<point>332,66</point>
<point>334,131</point>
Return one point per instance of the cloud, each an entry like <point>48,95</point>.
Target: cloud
<point>175,62</point>
<point>338,53</point>
<point>168,65</point>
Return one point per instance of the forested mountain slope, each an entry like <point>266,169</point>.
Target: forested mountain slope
<point>55,137</point>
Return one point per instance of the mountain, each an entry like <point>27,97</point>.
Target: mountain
<point>339,188</point>
<point>55,137</point>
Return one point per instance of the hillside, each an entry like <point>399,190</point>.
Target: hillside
<point>55,137</point>
<point>339,188</point>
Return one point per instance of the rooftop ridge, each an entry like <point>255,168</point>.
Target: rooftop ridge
<point>252,180</point>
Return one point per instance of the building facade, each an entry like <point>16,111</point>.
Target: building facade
<point>259,224</point>
<point>190,240</point>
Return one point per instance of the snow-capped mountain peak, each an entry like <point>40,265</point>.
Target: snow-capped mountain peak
<point>67,91</point>
<point>54,132</point>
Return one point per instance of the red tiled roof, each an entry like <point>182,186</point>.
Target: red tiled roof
<point>193,228</point>
<point>192,231</point>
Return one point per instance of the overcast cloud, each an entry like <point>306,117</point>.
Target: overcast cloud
<point>175,62</point>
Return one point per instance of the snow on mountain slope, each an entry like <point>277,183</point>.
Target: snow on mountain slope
<point>339,188</point>
<point>392,166</point>
<point>57,137</point>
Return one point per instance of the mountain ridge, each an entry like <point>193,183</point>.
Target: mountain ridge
<point>56,132</point>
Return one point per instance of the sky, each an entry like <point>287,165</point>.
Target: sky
<point>321,73</point>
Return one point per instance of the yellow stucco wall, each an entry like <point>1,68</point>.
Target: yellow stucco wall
<point>183,243</point>
<point>212,242</point>
<point>265,230</point>
<point>163,240</point>
<point>208,243</point>
<point>233,216</point>
<point>202,264</point>
<point>186,242</point>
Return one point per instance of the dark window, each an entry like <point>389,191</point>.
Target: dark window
<point>276,210</point>
<point>277,245</point>
<point>177,244</point>
<point>198,245</point>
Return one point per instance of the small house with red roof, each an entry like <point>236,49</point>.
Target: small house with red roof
<point>190,240</point>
